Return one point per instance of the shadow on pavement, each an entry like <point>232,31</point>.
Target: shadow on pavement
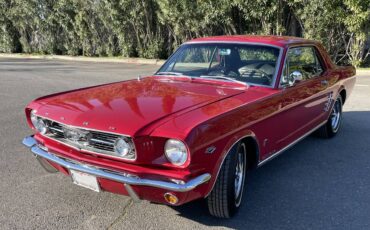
<point>317,184</point>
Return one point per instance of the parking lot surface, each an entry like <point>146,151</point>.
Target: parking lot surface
<point>317,184</point>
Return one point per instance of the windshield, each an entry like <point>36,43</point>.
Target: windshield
<point>251,64</point>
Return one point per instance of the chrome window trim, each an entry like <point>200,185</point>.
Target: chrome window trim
<point>278,62</point>
<point>232,42</point>
<point>246,85</point>
<point>318,56</point>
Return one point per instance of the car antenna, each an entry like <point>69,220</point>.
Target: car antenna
<point>139,78</point>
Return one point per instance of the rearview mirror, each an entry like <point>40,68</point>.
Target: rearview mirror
<point>295,77</point>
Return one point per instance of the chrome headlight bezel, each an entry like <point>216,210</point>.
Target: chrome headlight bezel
<point>176,152</point>
<point>123,148</point>
<point>38,123</point>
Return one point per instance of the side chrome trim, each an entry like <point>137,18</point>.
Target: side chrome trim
<point>289,146</point>
<point>31,143</point>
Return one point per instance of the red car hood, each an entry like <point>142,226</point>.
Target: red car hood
<point>127,107</point>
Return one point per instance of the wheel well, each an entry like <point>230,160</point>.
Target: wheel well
<point>252,151</point>
<point>343,94</point>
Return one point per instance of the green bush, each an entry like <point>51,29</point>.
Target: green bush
<point>154,28</point>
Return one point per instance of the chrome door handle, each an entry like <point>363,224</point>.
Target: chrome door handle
<point>324,82</point>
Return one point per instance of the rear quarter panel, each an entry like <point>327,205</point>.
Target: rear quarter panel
<point>341,79</point>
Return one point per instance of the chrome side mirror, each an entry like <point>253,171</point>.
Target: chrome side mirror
<point>295,77</point>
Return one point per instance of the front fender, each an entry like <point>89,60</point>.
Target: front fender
<point>211,162</point>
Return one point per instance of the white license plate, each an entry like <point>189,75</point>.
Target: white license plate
<point>85,180</point>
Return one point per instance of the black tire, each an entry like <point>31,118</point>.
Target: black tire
<point>223,201</point>
<point>333,124</point>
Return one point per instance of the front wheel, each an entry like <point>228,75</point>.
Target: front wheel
<point>226,196</point>
<point>332,126</point>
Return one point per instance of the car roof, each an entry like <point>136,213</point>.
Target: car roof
<point>281,41</point>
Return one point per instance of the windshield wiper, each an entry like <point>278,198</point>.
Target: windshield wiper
<point>223,78</point>
<point>169,73</point>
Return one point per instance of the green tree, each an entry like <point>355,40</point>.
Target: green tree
<point>357,23</point>
<point>9,37</point>
<point>154,28</point>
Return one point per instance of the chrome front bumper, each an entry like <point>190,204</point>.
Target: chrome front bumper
<point>126,179</point>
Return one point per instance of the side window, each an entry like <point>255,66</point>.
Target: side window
<point>304,60</point>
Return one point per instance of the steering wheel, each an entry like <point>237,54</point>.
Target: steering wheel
<point>251,72</point>
<point>220,70</point>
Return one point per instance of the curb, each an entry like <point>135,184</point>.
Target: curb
<point>86,59</point>
<point>363,70</point>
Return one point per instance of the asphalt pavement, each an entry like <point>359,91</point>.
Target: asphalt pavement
<point>317,184</point>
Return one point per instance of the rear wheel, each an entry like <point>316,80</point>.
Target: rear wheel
<point>226,196</point>
<point>332,126</point>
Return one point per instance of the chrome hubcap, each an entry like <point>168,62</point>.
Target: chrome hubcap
<point>335,116</point>
<point>239,174</point>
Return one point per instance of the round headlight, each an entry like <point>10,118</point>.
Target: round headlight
<point>33,118</point>
<point>38,123</point>
<point>176,152</point>
<point>121,147</point>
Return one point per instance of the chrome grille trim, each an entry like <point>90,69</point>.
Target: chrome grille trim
<point>101,141</point>
<point>95,142</point>
<point>83,128</point>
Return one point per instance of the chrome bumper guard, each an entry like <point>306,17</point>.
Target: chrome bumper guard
<point>127,180</point>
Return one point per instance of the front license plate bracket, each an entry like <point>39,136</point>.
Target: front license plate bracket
<point>85,180</point>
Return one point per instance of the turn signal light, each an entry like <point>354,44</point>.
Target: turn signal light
<point>170,198</point>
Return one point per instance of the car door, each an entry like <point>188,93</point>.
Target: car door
<point>304,101</point>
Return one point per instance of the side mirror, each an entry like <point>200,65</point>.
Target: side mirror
<point>295,77</point>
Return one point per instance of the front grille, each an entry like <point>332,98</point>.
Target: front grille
<point>89,140</point>
<point>103,141</point>
<point>56,129</point>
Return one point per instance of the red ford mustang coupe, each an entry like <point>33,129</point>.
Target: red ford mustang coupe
<point>219,107</point>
